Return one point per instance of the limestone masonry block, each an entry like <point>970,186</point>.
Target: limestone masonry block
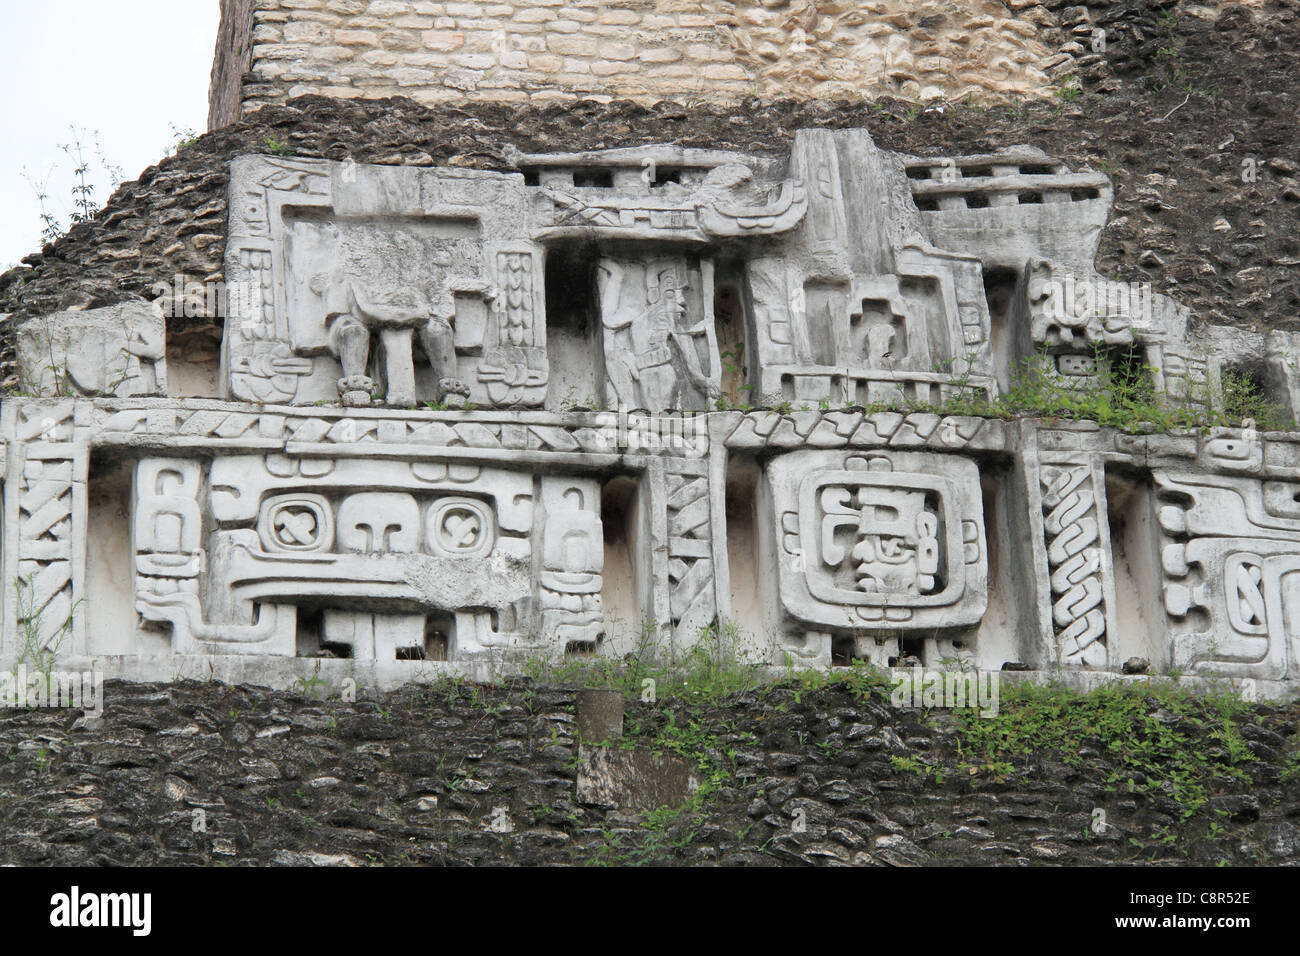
<point>945,48</point>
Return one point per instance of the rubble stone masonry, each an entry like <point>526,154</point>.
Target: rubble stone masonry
<point>563,50</point>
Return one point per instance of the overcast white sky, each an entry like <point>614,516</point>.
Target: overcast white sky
<point>127,68</point>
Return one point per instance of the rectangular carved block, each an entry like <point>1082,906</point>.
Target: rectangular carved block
<point>1231,556</point>
<point>115,351</point>
<point>880,541</point>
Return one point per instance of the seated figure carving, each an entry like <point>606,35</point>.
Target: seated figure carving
<point>354,312</point>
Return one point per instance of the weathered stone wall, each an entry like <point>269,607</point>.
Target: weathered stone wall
<point>715,50</point>
<point>960,257</point>
<point>1183,219</point>
<point>463,774</point>
<point>1182,214</point>
<point>233,55</point>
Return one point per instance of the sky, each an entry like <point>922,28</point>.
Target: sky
<point>127,68</point>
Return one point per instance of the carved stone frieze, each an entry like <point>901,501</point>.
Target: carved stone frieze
<point>638,400</point>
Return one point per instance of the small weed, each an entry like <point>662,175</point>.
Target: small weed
<point>1069,90</point>
<point>182,138</point>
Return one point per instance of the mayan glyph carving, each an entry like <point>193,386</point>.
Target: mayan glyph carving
<point>864,311</point>
<point>1229,557</point>
<point>514,368</point>
<point>886,540</point>
<point>573,556</point>
<point>170,558</point>
<point>441,558</point>
<point>1086,330</point>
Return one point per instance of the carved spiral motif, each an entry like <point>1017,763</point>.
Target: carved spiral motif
<point>1070,522</point>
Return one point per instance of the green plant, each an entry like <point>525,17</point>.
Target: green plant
<point>715,665</point>
<point>51,228</point>
<point>1243,400</point>
<point>311,686</point>
<point>1069,89</point>
<point>37,648</point>
<point>275,146</point>
<point>905,765</point>
<point>1157,737</point>
<point>1121,394</point>
<point>182,138</point>
<point>89,164</point>
<point>734,369</point>
<point>1291,769</point>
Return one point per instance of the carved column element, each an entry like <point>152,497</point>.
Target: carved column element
<point>1070,540</point>
<point>515,369</point>
<point>45,530</point>
<point>572,561</point>
<point>1069,500</point>
<point>259,363</point>
<point>692,602</point>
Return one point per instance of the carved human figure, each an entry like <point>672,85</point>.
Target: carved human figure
<point>647,351</point>
<point>353,312</point>
<point>437,336</point>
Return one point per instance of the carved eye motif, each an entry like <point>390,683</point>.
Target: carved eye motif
<point>459,527</point>
<point>296,523</point>
<point>295,527</point>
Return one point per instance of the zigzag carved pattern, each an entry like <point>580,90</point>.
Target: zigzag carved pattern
<point>45,551</point>
<point>690,562</point>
